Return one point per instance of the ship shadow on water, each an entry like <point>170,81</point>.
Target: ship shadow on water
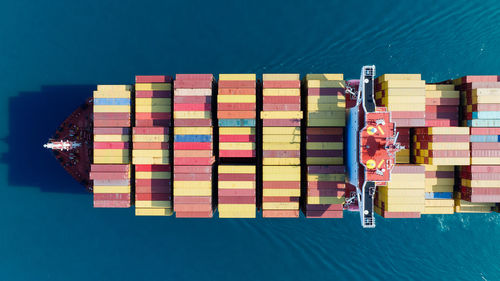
<point>33,119</point>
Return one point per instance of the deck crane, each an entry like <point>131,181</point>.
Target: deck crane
<point>371,146</point>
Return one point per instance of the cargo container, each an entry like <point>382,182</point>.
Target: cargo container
<point>237,191</point>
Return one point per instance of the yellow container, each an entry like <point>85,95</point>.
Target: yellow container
<point>326,177</point>
<point>236,210</point>
<point>193,184</point>
<point>442,94</point>
<point>326,122</point>
<point>112,94</point>
<point>325,99</point>
<point>111,160</point>
<point>438,210</point>
<point>448,130</point>
<point>207,92</point>
<point>325,76</point>
<point>153,101</point>
<point>235,131</point>
<point>325,200</point>
<point>281,131</point>
<point>192,192</point>
<point>153,108</point>
<point>434,168</point>
<point>236,99</point>
<point>324,160</point>
<point>391,76</point>
<point>150,138</point>
<point>281,138</point>
<point>393,200</point>
<point>153,175</point>
<point>438,188</point>
<point>491,92</point>
<point>192,114</point>
<point>280,161</point>
<point>112,88</point>
<point>439,181</point>
<point>111,189</point>
<point>324,145</point>
<point>318,107</point>
<point>153,204</point>
<point>150,161</point>
<point>112,108</point>
<point>335,115</point>
<point>281,92</point>
<point>193,130</point>
<point>280,146</point>
<point>157,153</point>
<point>403,99</point>
<point>281,192</point>
<point>280,77</point>
<point>111,152</point>
<point>449,145</point>
<point>450,161</point>
<point>236,184</point>
<point>439,203</point>
<point>326,84</point>
<point>236,146</point>
<point>280,205</point>
<point>405,179</point>
<point>236,77</point>
<point>404,84</point>
<point>236,169</point>
<point>439,87</point>
<point>153,212</point>
<point>485,160</point>
<point>395,192</point>
<point>405,208</point>
<point>481,183</point>
<point>406,107</point>
<point>153,87</point>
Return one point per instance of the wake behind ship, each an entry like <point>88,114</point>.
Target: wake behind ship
<point>394,145</point>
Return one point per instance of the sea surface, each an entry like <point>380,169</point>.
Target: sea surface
<point>53,53</point>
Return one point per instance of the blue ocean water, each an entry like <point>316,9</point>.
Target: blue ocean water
<point>53,54</point>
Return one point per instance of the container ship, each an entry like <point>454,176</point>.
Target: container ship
<point>390,146</point>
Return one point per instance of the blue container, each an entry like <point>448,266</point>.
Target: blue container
<point>112,101</point>
<point>484,123</point>
<point>486,115</point>
<point>193,138</point>
<point>439,195</point>
<point>484,138</point>
<point>237,122</point>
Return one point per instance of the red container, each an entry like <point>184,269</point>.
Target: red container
<point>326,92</point>
<point>236,114</point>
<point>326,169</point>
<point>324,138</point>
<point>198,161</point>
<point>111,123</point>
<point>152,189</point>
<point>236,199</point>
<point>441,108</point>
<point>192,207</point>
<point>408,114</point>
<point>485,131</point>
<point>151,145</point>
<point>325,192</point>
<point>281,100</point>
<point>236,138</point>
<point>192,84</point>
<point>111,116</point>
<point>111,145</point>
<point>192,107</point>
<point>325,184</point>
<point>153,196</point>
<point>109,167</point>
<point>193,153</point>
<point>163,183</point>
<point>485,153</point>
<point>281,107</point>
<point>236,84</point>
<point>324,207</point>
<point>325,131</point>
<point>281,184</point>
<point>192,123</point>
<point>152,79</point>
<point>442,115</point>
<point>230,91</point>
<point>476,85</point>
<point>153,94</point>
<point>400,215</point>
<point>486,107</point>
<point>192,170</point>
<point>409,122</point>
<point>481,169</point>
<point>237,153</point>
<point>236,192</point>
<point>193,200</point>
<point>193,177</point>
<point>280,213</point>
<point>442,138</point>
<point>236,177</point>
<point>207,214</point>
<point>111,131</point>
<point>479,78</point>
<point>153,123</point>
<point>408,169</point>
<point>109,175</point>
<point>198,77</point>
<point>485,145</point>
<point>281,153</point>
<point>480,191</point>
<point>281,122</point>
<point>153,115</point>
<point>281,84</point>
<point>270,199</point>
<point>325,153</point>
<point>192,100</point>
<point>153,168</point>
<point>192,145</point>
<point>236,106</point>
<point>111,204</point>
<point>150,131</point>
<point>325,214</point>
<point>442,101</point>
<point>111,196</point>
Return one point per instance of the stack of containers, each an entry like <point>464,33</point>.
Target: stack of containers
<point>325,191</point>
<point>439,183</point>
<point>111,170</point>
<point>480,99</point>
<point>463,206</point>
<point>281,191</point>
<point>485,146</point>
<point>193,145</point>
<point>326,101</point>
<point>480,184</point>
<point>442,146</point>
<point>281,119</point>
<point>325,146</point>
<point>441,105</point>
<point>151,145</point>
<point>403,156</point>
<point>404,195</point>
<point>236,191</point>
<point>236,104</point>
<point>404,96</point>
